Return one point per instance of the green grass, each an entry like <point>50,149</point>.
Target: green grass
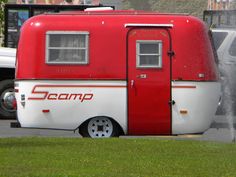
<point>62,157</point>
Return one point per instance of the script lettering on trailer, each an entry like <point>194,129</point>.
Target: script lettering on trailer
<point>45,94</point>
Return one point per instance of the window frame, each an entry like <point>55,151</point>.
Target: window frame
<point>159,55</point>
<point>218,38</point>
<point>86,48</point>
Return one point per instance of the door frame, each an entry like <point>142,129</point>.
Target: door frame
<point>134,26</point>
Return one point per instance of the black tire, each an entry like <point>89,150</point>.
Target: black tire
<point>7,110</point>
<point>100,127</point>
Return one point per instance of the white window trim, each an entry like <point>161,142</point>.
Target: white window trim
<point>138,42</point>
<point>68,32</point>
<point>147,25</point>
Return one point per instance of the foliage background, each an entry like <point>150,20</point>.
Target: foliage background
<point>2,2</point>
<point>191,7</point>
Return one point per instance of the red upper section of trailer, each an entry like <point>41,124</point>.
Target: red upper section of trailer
<point>193,59</point>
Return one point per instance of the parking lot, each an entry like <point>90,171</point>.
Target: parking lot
<point>219,132</point>
<point>6,131</point>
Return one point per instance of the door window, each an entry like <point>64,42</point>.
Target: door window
<point>149,54</point>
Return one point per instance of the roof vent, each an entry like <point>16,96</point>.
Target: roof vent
<point>98,9</point>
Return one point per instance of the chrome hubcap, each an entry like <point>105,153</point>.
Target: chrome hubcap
<point>100,127</point>
<point>7,100</point>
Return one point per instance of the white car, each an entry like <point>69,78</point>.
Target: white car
<point>7,74</point>
<point>225,43</point>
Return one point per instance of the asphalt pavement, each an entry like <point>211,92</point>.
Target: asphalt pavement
<point>219,132</point>
<point>6,131</point>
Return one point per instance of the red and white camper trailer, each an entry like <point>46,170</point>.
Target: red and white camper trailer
<point>116,72</point>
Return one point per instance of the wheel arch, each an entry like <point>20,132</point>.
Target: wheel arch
<point>121,129</point>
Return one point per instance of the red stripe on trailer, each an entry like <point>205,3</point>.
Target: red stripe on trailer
<point>185,86</point>
<point>45,94</point>
<point>81,86</point>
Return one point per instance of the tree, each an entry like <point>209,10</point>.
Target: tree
<point>191,7</point>
<point>2,4</point>
<point>136,4</point>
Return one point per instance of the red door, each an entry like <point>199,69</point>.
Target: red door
<point>149,82</point>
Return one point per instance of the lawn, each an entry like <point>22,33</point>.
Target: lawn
<point>64,157</point>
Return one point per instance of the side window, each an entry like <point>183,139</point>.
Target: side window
<point>67,47</point>
<point>218,38</point>
<point>148,54</point>
<point>232,49</point>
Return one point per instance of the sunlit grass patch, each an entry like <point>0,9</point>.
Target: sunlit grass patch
<point>114,157</point>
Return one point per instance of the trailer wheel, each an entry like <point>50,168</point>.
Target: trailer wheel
<point>7,96</point>
<point>100,127</point>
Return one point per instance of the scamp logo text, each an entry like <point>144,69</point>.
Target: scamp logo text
<point>42,92</point>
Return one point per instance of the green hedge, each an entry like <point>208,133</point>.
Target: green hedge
<point>2,3</point>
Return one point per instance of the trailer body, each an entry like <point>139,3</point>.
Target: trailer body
<point>142,73</point>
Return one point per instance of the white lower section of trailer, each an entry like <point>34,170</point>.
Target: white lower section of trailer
<point>67,104</point>
<point>195,106</point>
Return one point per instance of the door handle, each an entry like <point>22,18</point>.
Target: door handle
<point>172,102</point>
<point>132,83</point>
